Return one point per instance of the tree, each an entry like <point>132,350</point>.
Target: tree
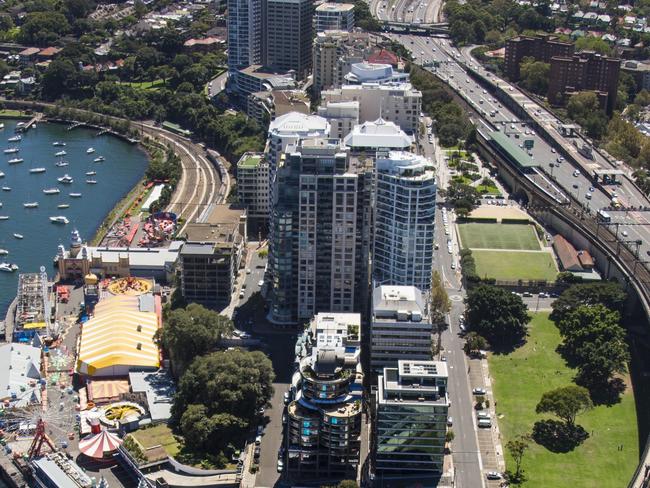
<point>584,108</point>
<point>190,332</point>
<point>235,382</point>
<point>608,293</point>
<point>517,447</point>
<point>498,315</point>
<point>534,75</point>
<point>440,303</point>
<point>59,77</point>
<point>43,28</point>
<point>449,436</point>
<point>566,403</point>
<point>463,197</point>
<point>474,343</point>
<point>347,484</point>
<point>591,43</point>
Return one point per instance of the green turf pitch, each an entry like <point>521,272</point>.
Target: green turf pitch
<point>498,236</point>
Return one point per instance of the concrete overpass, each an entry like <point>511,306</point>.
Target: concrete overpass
<point>415,29</point>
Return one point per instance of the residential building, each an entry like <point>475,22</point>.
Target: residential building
<point>379,135</point>
<point>400,326</point>
<point>342,117</point>
<point>264,106</point>
<point>585,71</point>
<point>253,185</point>
<point>366,72</point>
<point>395,102</point>
<point>324,420</point>
<point>641,73</point>
<point>211,256</point>
<point>541,48</point>
<point>410,424</point>
<point>334,52</point>
<point>334,16</point>
<point>319,232</point>
<point>405,210</point>
<point>256,78</point>
<point>244,34</point>
<point>289,35</point>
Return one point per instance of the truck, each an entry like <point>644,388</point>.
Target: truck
<point>603,216</point>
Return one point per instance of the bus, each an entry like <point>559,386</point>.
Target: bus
<point>604,216</point>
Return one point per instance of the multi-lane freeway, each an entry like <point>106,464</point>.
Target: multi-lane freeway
<point>410,11</point>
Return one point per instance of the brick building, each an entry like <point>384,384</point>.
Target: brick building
<point>542,48</point>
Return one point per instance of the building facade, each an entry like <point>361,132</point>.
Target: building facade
<point>334,16</point>
<point>541,48</point>
<point>289,35</point>
<point>334,52</point>
<point>244,33</point>
<point>253,185</point>
<point>319,233</point>
<point>410,424</point>
<point>323,439</point>
<point>395,102</point>
<point>400,326</point>
<point>211,256</point>
<point>342,117</point>
<point>585,71</point>
<point>405,211</point>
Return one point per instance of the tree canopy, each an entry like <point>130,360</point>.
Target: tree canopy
<point>463,197</point>
<point>497,314</point>
<point>607,293</point>
<point>190,332</point>
<point>220,394</point>
<point>534,75</point>
<point>583,107</point>
<point>566,403</point>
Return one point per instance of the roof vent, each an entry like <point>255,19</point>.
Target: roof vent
<point>139,346</point>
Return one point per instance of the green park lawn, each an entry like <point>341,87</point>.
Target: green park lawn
<point>520,378</point>
<point>488,190</point>
<point>159,435</point>
<point>515,265</point>
<point>476,235</point>
<point>145,85</point>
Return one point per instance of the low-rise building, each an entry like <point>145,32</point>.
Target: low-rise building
<point>378,135</point>
<point>334,16</point>
<point>395,102</point>
<point>253,185</point>
<point>342,116</point>
<point>211,256</point>
<point>323,439</point>
<point>410,423</point>
<point>400,326</point>
<point>264,106</point>
<point>20,373</point>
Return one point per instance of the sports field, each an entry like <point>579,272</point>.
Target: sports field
<point>515,265</point>
<point>476,235</point>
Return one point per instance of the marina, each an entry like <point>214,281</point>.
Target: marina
<point>125,168</point>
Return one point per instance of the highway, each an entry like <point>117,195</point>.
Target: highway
<point>412,11</point>
<point>558,178</point>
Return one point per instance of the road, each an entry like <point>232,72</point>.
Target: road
<point>217,85</point>
<point>413,11</point>
<point>562,178</point>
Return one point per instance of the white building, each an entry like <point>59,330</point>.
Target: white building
<point>253,184</point>
<point>334,16</point>
<point>20,373</point>
<point>379,135</point>
<point>396,102</point>
<point>400,326</point>
<point>405,210</point>
<point>342,116</point>
<point>374,73</point>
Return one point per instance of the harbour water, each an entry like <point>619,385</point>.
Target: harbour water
<point>124,165</point>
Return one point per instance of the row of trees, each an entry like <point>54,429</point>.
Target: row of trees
<point>588,317</point>
<point>219,393</point>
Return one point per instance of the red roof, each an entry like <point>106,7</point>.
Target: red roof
<point>585,259</point>
<point>567,254</point>
<point>383,56</point>
<point>50,51</point>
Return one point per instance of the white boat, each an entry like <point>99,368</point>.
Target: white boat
<point>18,236</point>
<point>63,205</point>
<point>62,164</point>
<point>2,175</point>
<point>37,170</point>
<point>91,173</point>
<point>16,138</point>
<point>8,267</point>
<point>20,125</point>
<point>99,159</point>
<point>90,150</point>
<point>4,217</point>
<point>91,182</point>
<point>66,179</point>
<point>59,219</point>
<point>60,153</point>
<point>3,252</point>
<point>15,160</point>
<point>11,150</point>
<point>6,188</point>
<point>30,205</point>
<point>58,143</point>
<point>2,126</point>
<point>51,191</point>
<point>75,195</point>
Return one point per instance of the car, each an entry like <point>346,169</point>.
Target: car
<point>241,295</point>
<point>258,440</point>
<point>260,283</point>
<point>483,415</point>
<point>257,452</point>
<point>453,265</point>
<point>575,185</point>
<point>527,294</point>
<point>576,173</point>
<point>462,327</point>
<point>493,475</point>
<point>287,397</point>
<point>443,358</point>
<point>280,466</point>
<point>591,189</point>
<point>449,250</point>
<point>450,421</point>
<point>248,271</point>
<point>553,150</point>
<point>543,295</point>
<point>624,233</point>
<point>479,391</point>
<point>588,196</point>
<point>245,335</point>
<point>260,430</point>
<point>284,419</point>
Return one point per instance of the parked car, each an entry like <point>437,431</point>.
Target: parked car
<point>287,397</point>
<point>493,475</point>
<point>256,453</point>
<point>450,421</point>
<point>280,465</point>
<point>479,391</point>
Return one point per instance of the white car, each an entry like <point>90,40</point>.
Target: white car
<point>280,465</point>
<point>624,233</point>
<point>493,475</point>
<point>260,283</point>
